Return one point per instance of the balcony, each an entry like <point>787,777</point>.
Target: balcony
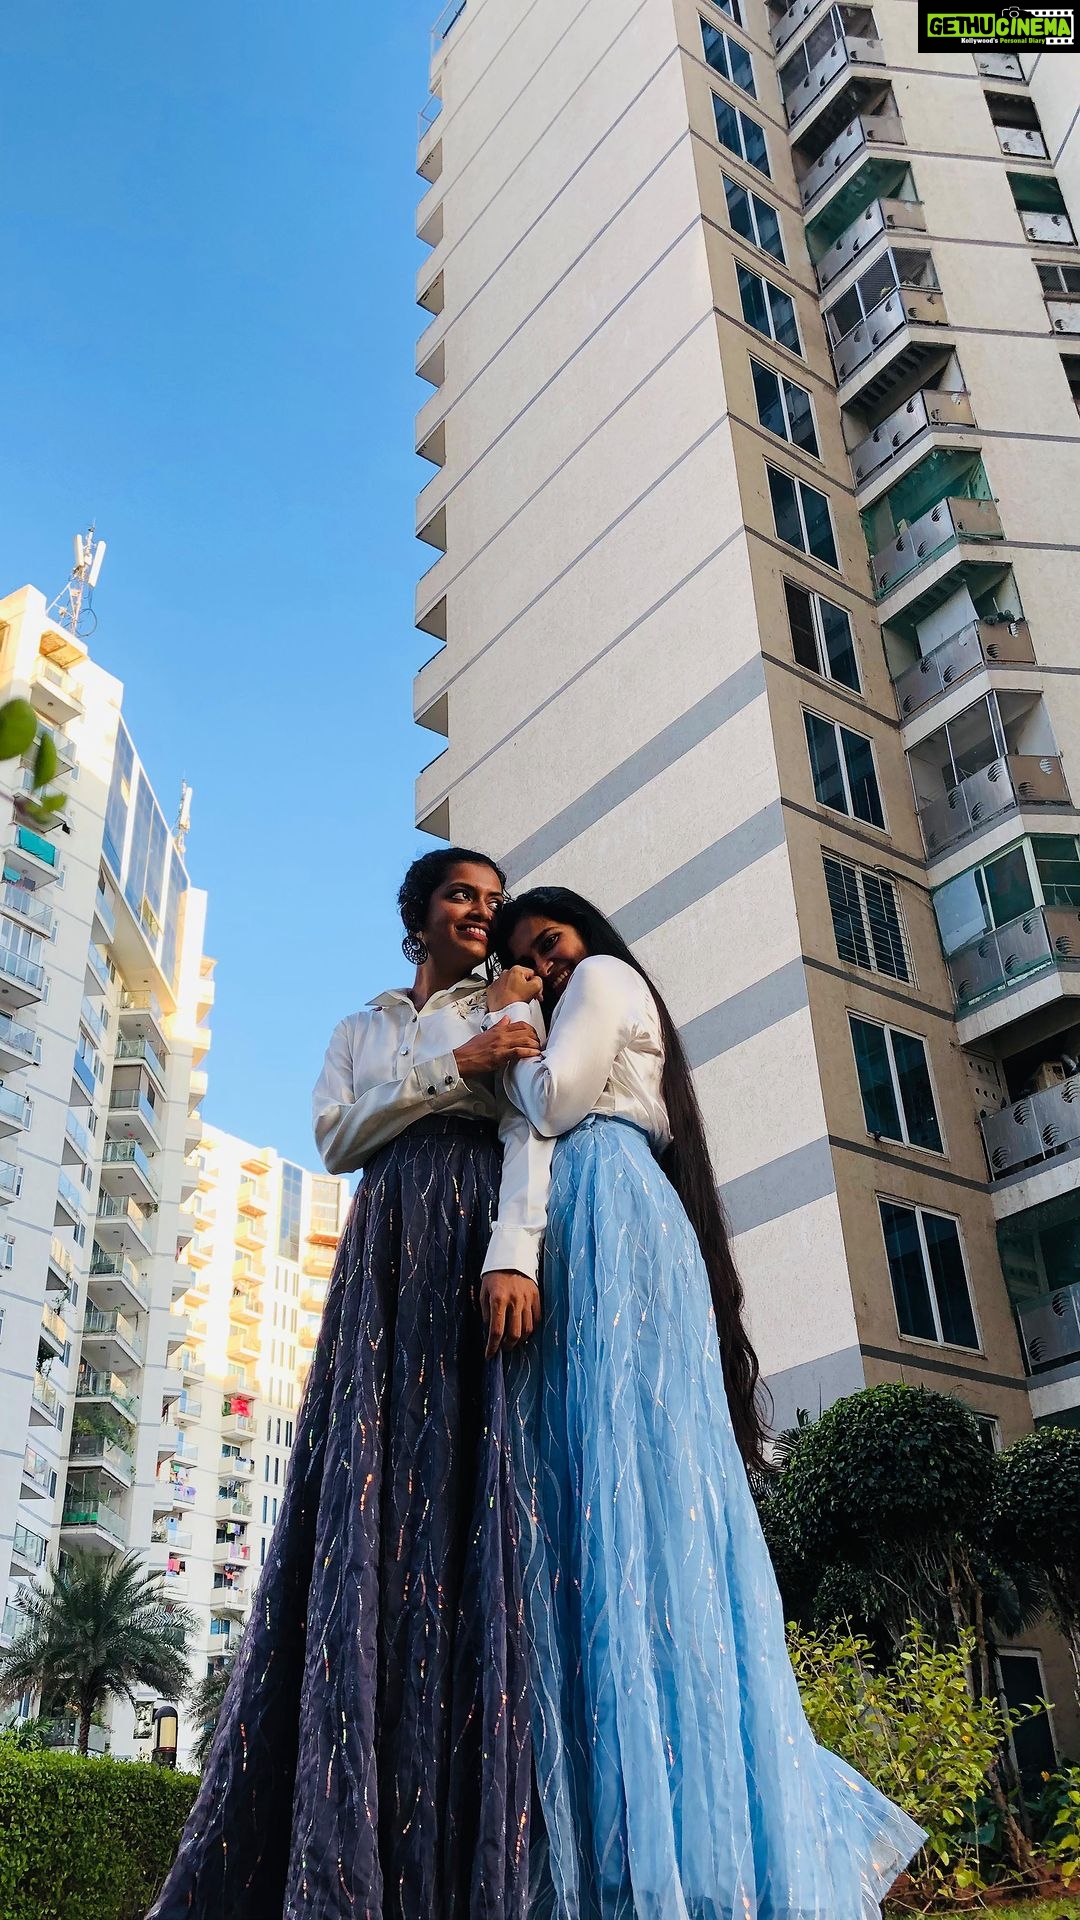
<point>15,1111</point>
<point>21,980</point>
<point>234,1424</point>
<point>126,1171</point>
<point>19,1045</point>
<point>186,1450</point>
<point>1064,315</point>
<point>139,1051</point>
<point>245,1307</point>
<point>243,1344</point>
<point>90,1450</point>
<point>1039,1127</point>
<point>108,1389</point>
<point>78,1147</point>
<point>53,1333</point>
<point>846,154</point>
<point>192,1368</point>
<point>252,1200</point>
<point>250,1233</point>
<point>83,1069</point>
<point>10,1182</point>
<point>1023,143</point>
<point>1050,1328</point>
<point>236,1466</point>
<point>937,410</point>
<point>61,1270</point>
<point>38,1480</point>
<point>142,1013</point>
<point>232,1599</point>
<point>70,1202</point>
<point>34,856</point>
<point>235,1506</point>
<point>54,693</point>
<point>895,322</point>
<point>313,1295</point>
<point>876,222</point>
<point>231,1553</point>
<point>1011,784</point>
<point>982,644</point>
<point>998,66</point>
<point>188,1408</point>
<point>785,29</point>
<point>28,1549</point>
<point>950,524</point>
<point>114,1339</point>
<point>123,1224</point>
<point>1044,938</point>
<point>130,1109</point>
<point>28,907</point>
<point>91,1521</point>
<point>105,915</point>
<point>818,101</point>
<point>1048,229</point>
<point>112,1271</point>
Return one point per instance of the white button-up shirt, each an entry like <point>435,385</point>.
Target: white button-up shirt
<point>390,1065</point>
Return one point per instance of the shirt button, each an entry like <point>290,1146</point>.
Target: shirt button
<point>405,1049</point>
<point>449,1080</point>
<point>431,1089</point>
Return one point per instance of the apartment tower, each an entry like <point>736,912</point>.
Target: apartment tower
<point>755,348</point>
<point>104,998</point>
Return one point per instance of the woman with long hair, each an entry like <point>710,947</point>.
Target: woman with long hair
<point>372,1760</point>
<point>677,1774</point>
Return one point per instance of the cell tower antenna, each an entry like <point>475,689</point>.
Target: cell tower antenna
<point>183,819</point>
<point>73,607</point>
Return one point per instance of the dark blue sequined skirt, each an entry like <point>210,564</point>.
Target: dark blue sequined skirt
<point>372,1761</point>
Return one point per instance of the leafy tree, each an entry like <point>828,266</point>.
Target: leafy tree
<point>1037,1522</point>
<point>207,1700</point>
<point>100,1629</point>
<point>18,733</point>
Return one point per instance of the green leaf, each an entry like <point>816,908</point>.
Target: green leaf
<point>45,760</point>
<point>18,728</point>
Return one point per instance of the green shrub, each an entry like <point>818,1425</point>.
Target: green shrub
<point>914,1731</point>
<point>86,1839</point>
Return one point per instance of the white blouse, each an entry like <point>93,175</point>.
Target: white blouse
<point>390,1065</point>
<point>605,1054</point>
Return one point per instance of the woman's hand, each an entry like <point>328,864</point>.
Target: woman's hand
<point>510,1305</point>
<point>490,1052</point>
<point>517,983</point>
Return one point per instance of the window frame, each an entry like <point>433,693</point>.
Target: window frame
<point>754,201</point>
<point>725,72</point>
<point>838,727</point>
<point>769,286</point>
<point>807,551</point>
<point>860,873</point>
<point>818,631</point>
<point>912,1146</point>
<point>918,1339</point>
<point>731,11</point>
<point>784,381</point>
<point>740,152</point>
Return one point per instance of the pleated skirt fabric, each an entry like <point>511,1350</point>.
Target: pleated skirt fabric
<point>677,1774</point>
<point>372,1761</point>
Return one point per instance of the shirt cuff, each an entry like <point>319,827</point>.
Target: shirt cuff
<point>513,1250</point>
<point>517,1010</point>
<point>438,1079</point>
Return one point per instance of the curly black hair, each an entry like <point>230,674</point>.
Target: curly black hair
<point>429,872</point>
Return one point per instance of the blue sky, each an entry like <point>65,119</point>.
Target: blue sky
<point>207,341</point>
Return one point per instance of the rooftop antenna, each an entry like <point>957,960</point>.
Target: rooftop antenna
<point>73,607</point>
<point>183,819</point>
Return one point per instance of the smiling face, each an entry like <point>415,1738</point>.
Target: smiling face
<point>457,929</point>
<point>551,948</point>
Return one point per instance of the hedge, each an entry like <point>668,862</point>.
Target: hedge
<point>86,1839</point>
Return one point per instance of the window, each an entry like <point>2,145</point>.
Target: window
<point>731,8</point>
<point>821,638</point>
<point>929,1278</point>
<point>273,1511</point>
<point>866,919</point>
<point>266,1467</point>
<point>292,1193</point>
<point>1072,374</point>
<point>842,764</point>
<point>266,1504</point>
<point>741,135</point>
<point>894,1080</point>
<point>1032,1742</point>
<point>262,1551</point>
<point>1057,863</point>
<point>784,408</point>
<point>277,1435</point>
<point>1042,871</point>
<point>754,219</point>
<point>1041,207</point>
<point>989,1431</point>
<point>727,57</point>
<point>768,309</point>
<point>288,1433</point>
<point>1058,282</point>
<point>277,1472</point>
<point>802,518</point>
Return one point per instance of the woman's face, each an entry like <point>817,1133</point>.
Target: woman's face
<point>550,948</point>
<point>457,931</point>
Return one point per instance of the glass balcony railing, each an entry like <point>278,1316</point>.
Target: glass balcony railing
<point>93,1385</point>
<point>78,1135</point>
<point>94,1024</point>
<point>789,23</point>
<point>89,1512</point>
<point>71,1196</point>
<point>29,1546</point>
<point>90,1446</point>
<point>1038,1128</point>
<point>132,1100</point>
<point>10,1182</point>
<point>14,1622</point>
<point>99,967</point>
<point>143,1053</point>
<point>1045,937</point>
<point>923,413</point>
<point>984,643</point>
<point>45,1397</point>
<point>16,966</point>
<point>1015,781</point>
<point>128,1153</point>
<point>54,1325</point>
<point>866,131</point>
<point>16,1038</point>
<point>37,846</point>
<point>25,902</point>
<point>880,219</point>
<point>105,912</point>
<point>904,307</point>
<point>117,1266</point>
<point>1050,1328</point>
<point>113,1323</point>
<point>62,1258</point>
<point>930,536</point>
<point>849,51</point>
<point>84,1074</point>
<point>446,23</point>
<point>15,1107</point>
<point>37,1471</point>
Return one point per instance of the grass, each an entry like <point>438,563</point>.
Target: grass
<point>1061,1908</point>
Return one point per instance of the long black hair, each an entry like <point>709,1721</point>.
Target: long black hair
<point>429,872</point>
<point>686,1161</point>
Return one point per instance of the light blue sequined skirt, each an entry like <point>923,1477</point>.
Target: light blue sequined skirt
<point>677,1774</point>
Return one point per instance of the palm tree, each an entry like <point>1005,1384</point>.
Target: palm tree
<point>207,1700</point>
<point>102,1628</point>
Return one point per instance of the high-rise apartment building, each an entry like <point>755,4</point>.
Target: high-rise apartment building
<point>104,998</point>
<point>756,360</point>
<point>266,1232</point>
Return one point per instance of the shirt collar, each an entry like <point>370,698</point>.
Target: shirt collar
<point>461,990</point>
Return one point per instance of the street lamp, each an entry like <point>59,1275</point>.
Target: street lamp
<point>166,1734</point>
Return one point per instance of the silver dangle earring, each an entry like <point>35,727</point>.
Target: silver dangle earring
<point>414,949</point>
